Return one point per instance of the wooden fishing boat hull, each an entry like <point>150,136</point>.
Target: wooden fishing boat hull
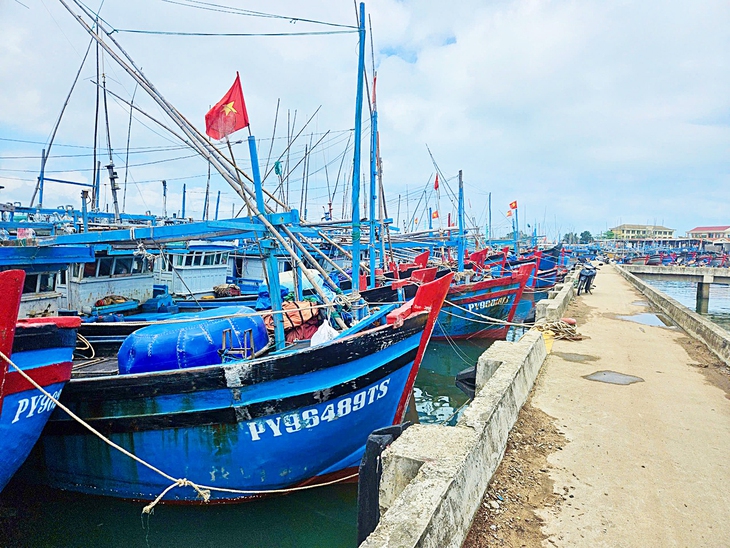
<point>42,348</point>
<point>546,278</point>
<point>466,306</point>
<point>462,313</point>
<point>266,424</point>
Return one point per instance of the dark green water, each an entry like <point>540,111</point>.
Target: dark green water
<point>322,517</point>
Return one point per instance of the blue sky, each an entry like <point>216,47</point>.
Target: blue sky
<point>588,113</point>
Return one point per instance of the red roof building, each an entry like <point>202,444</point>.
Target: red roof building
<point>709,232</point>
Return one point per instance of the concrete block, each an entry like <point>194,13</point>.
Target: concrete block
<point>434,477</point>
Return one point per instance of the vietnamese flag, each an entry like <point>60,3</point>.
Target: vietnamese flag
<point>228,115</point>
<point>436,182</point>
<point>509,213</point>
<point>513,205</point>
<point>435,214</point>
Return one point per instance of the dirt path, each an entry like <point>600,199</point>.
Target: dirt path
<point>644,464</point>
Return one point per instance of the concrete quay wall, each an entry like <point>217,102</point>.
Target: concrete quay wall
<point>716,338</point>
<point>701,274</point>
<point>553,308</point>
<point>434,477</point>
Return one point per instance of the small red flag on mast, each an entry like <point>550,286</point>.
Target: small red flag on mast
<point>229,114</point>
<point>436,182</point>
<point>513,205</point>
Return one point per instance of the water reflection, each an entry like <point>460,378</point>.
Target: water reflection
<point>436,395</point>
<point>324,517</point>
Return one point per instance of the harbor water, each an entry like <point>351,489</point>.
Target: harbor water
<point>686,294</point>
<point>321,517</point>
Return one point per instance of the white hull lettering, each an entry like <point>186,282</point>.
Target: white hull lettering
<point>498,301</point>
<point>35,405</point>
<point>311,418</point>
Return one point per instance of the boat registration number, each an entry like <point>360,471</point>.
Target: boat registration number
<point>27,407</point>
<point>497,301</point>
<point>312,417</point>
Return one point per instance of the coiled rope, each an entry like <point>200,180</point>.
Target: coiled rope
<point>560,330</point>
<point>87,346</point>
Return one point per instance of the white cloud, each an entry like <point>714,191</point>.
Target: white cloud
<point>586,112</point>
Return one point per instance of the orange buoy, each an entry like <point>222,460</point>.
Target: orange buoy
<point>569,321</point>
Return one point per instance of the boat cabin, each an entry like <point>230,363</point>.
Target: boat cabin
<point>194,270</point>
<point>44,268</point>
<point>112,273</point>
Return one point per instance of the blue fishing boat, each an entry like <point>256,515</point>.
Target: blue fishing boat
<point>42,348</point>
<point>249,424</point>
<point>479,309</point>
<point>482,309</point>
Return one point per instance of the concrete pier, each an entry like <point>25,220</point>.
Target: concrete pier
<point>643,412</point>
<point>702,276</point>
<point>646,464</point>
<point>703,297</point>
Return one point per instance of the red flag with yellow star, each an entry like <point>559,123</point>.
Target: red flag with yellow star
<point>229,114</point>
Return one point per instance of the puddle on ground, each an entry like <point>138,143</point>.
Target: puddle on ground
<point>572,357</point>
<point>640,303</point>
<point>612,377</point>
<point>647,318</point>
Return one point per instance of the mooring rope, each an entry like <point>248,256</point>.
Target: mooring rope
<point>484,318</point>
<point>202,490</point>
<point>560,330</point>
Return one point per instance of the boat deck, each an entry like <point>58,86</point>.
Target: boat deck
<point>95,367</point>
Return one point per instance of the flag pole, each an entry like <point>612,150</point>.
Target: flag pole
<point>235,167</point>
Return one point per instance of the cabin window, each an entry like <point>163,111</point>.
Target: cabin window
<point>62,276</point>
<point>90,270</point>
<point>224,259</point>
<point>46,282</point>
<point>31,283</point>
<point>76,271</point>
<point>138,265</point>
<point>122,266</point>
<point>179,260</point>
<point>217,259</point>
<point>208,259</point>
<point>105,266</point>
<point>188,260</point>
<point>197,259</point>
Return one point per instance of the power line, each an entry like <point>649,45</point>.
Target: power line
<point>231,34</point>
<point>208,6</point>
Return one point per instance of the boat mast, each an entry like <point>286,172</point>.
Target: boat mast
<point>110,167</point>
<point>267,247</point>
<point>201,145</point>
<point>373,178</point>
<point>489,227</point>
<point>356,160</point>
<point>460,247</point>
